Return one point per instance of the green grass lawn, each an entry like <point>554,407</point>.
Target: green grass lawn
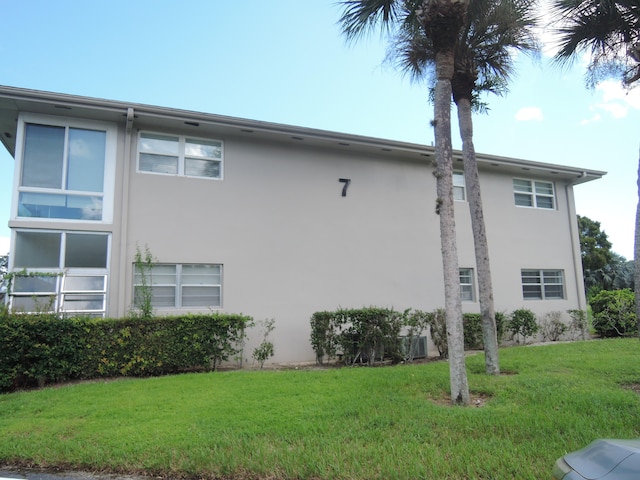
<point>349,423</point>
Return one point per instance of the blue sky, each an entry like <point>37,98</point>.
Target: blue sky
<point>285,61</point>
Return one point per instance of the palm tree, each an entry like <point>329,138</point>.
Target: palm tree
<point>439,21</point>
<point>609,30</point>
<point>483,62</point>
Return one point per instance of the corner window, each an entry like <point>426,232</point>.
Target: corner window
<point>60,272</point>
<point>466,285</point>
<point>459,189</point>
<point>182,285</point>
<point>179,155</point>
<point>65,169</point>
<point>534,194</point>
<point>543,284</point>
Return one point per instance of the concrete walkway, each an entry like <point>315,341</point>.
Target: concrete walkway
<point>7,473</point>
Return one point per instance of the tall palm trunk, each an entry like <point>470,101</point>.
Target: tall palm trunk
<point>636,255</point>
<point>485,288</point>
<point>444,181</point>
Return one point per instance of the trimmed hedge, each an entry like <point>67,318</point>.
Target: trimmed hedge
<point>44,348</point>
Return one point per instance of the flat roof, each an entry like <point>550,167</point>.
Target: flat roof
<point>14,100</point>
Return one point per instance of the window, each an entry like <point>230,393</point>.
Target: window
<point>179,155</point>
<point>466,285</point>
<point>533,194</point>
<point>543,284</point>
<point>66,170</point>
<point>459,190</point>
<point>178,285</point>
<point>64,271</point>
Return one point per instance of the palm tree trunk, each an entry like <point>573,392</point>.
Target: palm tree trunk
<point>444,177</point>
<point>485,288</point>
<point>636,255</point>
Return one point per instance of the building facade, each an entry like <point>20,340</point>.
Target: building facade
<point>268,220</point>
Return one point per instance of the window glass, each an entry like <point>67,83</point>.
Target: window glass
<point>459,192</point>
<point>80,283</point>
<point>52,205</point>
<point>84,250</point>
<point>43,157</point>
<point>163,296</point>
<point>200,274</point>
<point>35,284</point>
<point>74,302</point>
<point>177,155</point>
<point>466,285</point>
<point>33,303</point>
<point>37,250</point>
<point>522,185</point>
<point>203,148</point>
<point>201,168</point>
<point>542,284</point>
<point>86,160</point>
<point>201,296</point>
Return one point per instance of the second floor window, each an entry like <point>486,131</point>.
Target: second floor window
<point>459,190</point>
<point>63,172</point>
<point>179,155</point>
<point>534,194</point>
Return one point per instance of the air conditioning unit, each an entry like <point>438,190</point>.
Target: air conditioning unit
<point>415,347</point>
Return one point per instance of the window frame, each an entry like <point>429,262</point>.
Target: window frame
<point>61,295</point>
<point>178,285</point>
<point>182,140</point>
<point>470,286</point>
<point>534,194</point>
<point>460,188</point>
<point>108,185</point>
<point>543,286</point>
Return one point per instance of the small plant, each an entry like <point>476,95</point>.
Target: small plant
<point>265,350</point>
<point>523,324</point>
<point>438,326</point>
<point>579,325</point>
<point>143,263</point>
<point>416,322</point>
<point>552,327</point>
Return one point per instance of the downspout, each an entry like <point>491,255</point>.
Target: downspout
<point>124,214</point>
<point>575,245</point>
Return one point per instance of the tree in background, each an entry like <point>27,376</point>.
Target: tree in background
<point>603,269</point>
<point>609,30</point>
<point>440,21</point>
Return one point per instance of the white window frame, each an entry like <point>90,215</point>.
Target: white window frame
<point>63,273</point>
<point>182,141</point>
<point>467,289</point>
<point>109,166</point>
<point>541,279</point>
<point>535,193</point>
<point>459,187</point>
<point>179,286</point>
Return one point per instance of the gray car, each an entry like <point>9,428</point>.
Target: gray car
<point>601,460</point>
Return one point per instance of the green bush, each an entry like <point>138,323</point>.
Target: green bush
<point>614,313</point>
<point>472,323</point>
<point>360,335</point>
<point>522,323</point>
<point>36,349</point>
<point>552,327</point>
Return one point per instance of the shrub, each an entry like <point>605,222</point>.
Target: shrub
<point>359,335</point>
<point>473,336</point>
<point>579,325</point>
<point>522,323</point>
<point>614,313</point>
<point>438,327</point>
<point>35,349</point>
<point>552,327</point>
<point>415,323</point>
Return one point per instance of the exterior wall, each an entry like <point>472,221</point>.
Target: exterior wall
<point>291,245</point>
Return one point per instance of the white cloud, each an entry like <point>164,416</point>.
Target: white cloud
<point>595,118</point>
<point>4,245</point>
<point>526,114</point>
<point>616,100</point>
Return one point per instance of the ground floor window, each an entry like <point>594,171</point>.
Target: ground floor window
<point>57,271</point>
<point>542,284</point>
<point>180,285</point>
